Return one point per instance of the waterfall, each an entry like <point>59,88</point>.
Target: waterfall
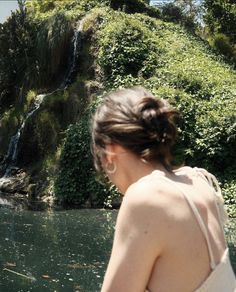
<point>74,57</point>
<point>12,153</point>
<point>13,146</point>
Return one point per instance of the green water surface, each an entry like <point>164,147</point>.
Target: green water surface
<point>60,251</point>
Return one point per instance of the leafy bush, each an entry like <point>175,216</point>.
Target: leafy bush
<point>229,193</point>
<point>135,6</point>
<point>43,9</point>
<point>118,57</point>
<point>17,36</point>
<point>76,182</point>
<point>220,17</point>
<point>171,12</point>
<point>222,43</point>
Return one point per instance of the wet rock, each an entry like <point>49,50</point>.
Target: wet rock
<point>13,201</point>
<point>17,184</point>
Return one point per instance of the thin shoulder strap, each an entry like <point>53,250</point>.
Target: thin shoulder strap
<point>219,200</point>
<point>199,220</point>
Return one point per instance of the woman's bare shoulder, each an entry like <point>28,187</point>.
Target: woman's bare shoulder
<point>150,193</point>
<point>146,186</point>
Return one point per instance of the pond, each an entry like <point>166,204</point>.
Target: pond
<point>60,251</point>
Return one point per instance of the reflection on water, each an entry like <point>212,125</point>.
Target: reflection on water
<point>60,251</point>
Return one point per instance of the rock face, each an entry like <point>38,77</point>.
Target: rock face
<point>15,184</point>
<point>13,190</point>
<point>17,192</point>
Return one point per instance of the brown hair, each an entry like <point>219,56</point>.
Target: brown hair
<point>136,120</point>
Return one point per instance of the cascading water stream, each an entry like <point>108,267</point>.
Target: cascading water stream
<point>13,147</point>
<point>77,39</point>
<point>12,153</point>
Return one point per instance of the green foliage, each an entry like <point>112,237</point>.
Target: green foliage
<point>184,12</point>
<point>118,57</point>
<point>128,49</point>
<point>76,182</point>
<point>171,12</point>
<point>229,192</point>
<point>9,122</point>
<point>40,6</point>
<point>171,54</point>
<point>32,53</point>
<point>52,46</point>
<point>197,82</point>
<point>135,6</point>
<point>223,45</point>
<point>220,16</point>
<point>16,54</point>
<point>39,138</point>
<point>46,139</point>
<point>43,9</point>
<point>31,95</point>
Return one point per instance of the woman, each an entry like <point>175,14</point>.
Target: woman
<point>169,232</point>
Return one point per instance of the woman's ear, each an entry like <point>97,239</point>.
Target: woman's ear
<point>110,151</point>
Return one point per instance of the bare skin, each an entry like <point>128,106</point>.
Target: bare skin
<point>158,244</point>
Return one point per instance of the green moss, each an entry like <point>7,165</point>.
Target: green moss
<point>30,98</point>
<point>9,123</point>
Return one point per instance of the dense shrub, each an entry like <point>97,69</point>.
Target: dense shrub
<point>222,43</point>
<point>127,48</point>
<point>76,182</point>
<point>171,12</point>
<point>135,6</point>
<point>44,9</point>
<point>17,36</point>
<point>220,17</point>
<point>230,196</point>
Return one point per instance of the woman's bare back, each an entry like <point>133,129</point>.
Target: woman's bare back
<point>185,261</point>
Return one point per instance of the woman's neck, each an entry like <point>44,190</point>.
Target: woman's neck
<point>131,168</point>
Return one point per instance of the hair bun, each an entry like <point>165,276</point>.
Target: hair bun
<point>157,119</point>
